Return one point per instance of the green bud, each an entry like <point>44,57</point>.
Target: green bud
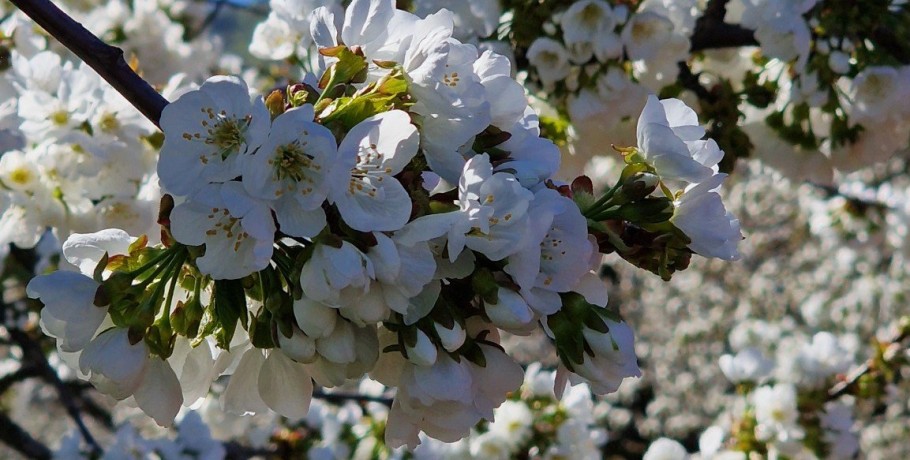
<point>650,210</point>
<point>639,185</point>
<point>485,285</point>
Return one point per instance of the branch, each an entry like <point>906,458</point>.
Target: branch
<point>339,398</point>
<point>207,22</point>
<point>105,59</point>
<point>712,32</point>
<point>17,438</point>
<point>851,380</point>
<point>689,81</point>
<point>24,373</point>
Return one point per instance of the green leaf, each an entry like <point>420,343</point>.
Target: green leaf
<point>229,307</point>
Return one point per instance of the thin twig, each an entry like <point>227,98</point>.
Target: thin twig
<point>105,59</point>
<point>850,381</point>
<point>339,398</point>
<point>207,22</point>
<point>255,8</point>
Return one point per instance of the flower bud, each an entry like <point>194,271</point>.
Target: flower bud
<point>511,313</point>
<point>452,339</point>
<point>423,353</point>
<point>314,318</point>
<point>640,185</point>
<point>298,346</point>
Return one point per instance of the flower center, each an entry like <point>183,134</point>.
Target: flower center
<point>60,117</point>
<point>109,123</point>
<point>21,176</point>
<point>292,162</point>
<point>224,132</point>
<point>228,225</point>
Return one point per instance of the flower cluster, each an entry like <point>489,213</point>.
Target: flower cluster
<point>817,96</point>
<point>391,218</point>
<point>77,157</point>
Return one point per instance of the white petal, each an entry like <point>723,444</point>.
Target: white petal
<point>160,395</point>
<point>285,386</point>
<point>242,393</point>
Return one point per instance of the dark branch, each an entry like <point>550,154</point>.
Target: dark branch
<point>689,81</point>
<point>105,59</point>
<point>340,398</point>
<point>23,373</point>
<point>712,32</point>
<point>17,438</point>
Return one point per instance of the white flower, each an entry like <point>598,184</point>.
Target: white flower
<point>513,423</point>
<point>665,449</point>
<point>314,318</point>
<point>332,269</point>
<point>299,346</point>
<point>645,34</point>
<point>237,230</point>
<point>285,386</point>
<point>205,133</point>
<point>194,367</point>
<point>491,445</point>
<point>776,413</point>
<point>496,207</point>
<point>701,215</point>
<point>291,168</point>
<point>668,138</point>
<point>837,420</point>
<point>550,259</point>
<point>452,338</point>
<point>18,173</point>
<point>446,399</point>
<point>367,195</point>
<point>550,59</point>
<point>875,94</point>
<point>747,366</point>
<point>815,363</point>
<point>780,28</point>
<point>473,18</point>
<point>114,365</point>
<point>586,20</point>
<point>69,312</point>
<point>347,353</point>
<point>273,39</point>
<point>613,361</point>
<point>423,353</point>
